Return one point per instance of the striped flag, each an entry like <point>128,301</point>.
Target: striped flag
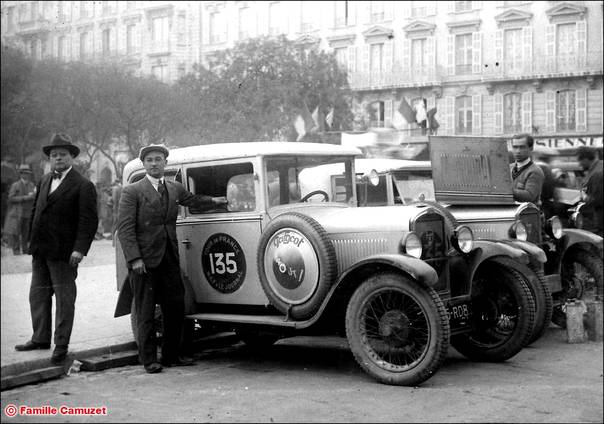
<point>329,118</point>
<point>406,111</point>
<point>315,118</point>
<point>305,122</point>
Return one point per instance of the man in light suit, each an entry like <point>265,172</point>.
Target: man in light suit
<point>63,226</point>
<point>20,203</point>
<point>146,229</point>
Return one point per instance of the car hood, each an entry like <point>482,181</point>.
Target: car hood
<point>336,218</point>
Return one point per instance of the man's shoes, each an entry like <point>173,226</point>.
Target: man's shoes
<point>59,354</point>
<point>31,345</point>
<point>181,361</point>
<point>153,368</point>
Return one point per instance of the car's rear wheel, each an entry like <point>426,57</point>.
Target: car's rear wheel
<point>581,277</point>
<point>397,330</point>
<point>503,316</point>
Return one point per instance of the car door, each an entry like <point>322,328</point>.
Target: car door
<point>219,244</point>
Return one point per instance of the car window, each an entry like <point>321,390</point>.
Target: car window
<point>414,186</point>
<point>292,179</point>
<point>234,181</point>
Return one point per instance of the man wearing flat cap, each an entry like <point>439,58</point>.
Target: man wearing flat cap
<point>20,203</point>
<point>146,229</point>
<point>63,226</point>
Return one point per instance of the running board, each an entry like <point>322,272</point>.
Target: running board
<point>275,320</point>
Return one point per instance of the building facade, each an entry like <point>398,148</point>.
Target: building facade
<point>489,67</point>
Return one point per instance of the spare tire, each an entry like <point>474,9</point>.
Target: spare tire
<point>297,264</point>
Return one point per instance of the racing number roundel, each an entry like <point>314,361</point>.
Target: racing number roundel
<point>292,266</point>
<point>223,263</point>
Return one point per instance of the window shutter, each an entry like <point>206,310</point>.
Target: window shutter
<point>431,53</point>
<point>406,9</point>
<point>367,11</point>
<point>388,10</point>
<point>138,38</point>
<point>365,59</point>
<point>352,59</point>
<point>430,8</point>
<point>498,65</point>
<point>476,5</point>
<point>527,112</point>
<point>581,37</point>
<point>550,44</point>
<point>476,52</point>
<point>406,65</point>
<point>388,56</point>
<point>449,115</point>
<point>113,46</point>
<point>498,99</point>
<point>477,114</point>
<point>581,109</point>
<point>388,113</point>
<point>450,6</point>
<point>527,48</point>
<point>68,47</point>
<point>550,111</point>
<point>451,54</point>
<point>352,12</point>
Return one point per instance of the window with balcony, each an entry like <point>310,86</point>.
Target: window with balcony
<point>10,19</point>
<point>342,57</point>
<point>246,22</point>
<point>463,6</point>
<point>217,27</point>
<point>160,33</point>
<point>276,19</point>
<point>565,110</point>
<point>463,112</point>
<point>512,113</point>
<point>106,42</point>
<point>513,50</point>
<point>419,52</point>
<point>376,56</point>
<point>160,71</point>
<point>342,14</point>
<point>308,16</point>
<point>566,47</point>
<point>463,54</point>
<point>418,9</point>
<point>377,11</point>
<point>85,9</point>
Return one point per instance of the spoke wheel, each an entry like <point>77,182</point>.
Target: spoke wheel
<point>397,330</point>
<point>581,277</point>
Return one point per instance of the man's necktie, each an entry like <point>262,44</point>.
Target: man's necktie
<point>161,189</point>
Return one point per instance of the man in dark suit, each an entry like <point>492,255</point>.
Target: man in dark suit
<point>527,177</point>
<point>63,226</point>
<point>591,189</point>
<point>146,229</point>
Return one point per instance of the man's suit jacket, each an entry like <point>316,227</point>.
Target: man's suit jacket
<point>528,185</point>
<point>144,228</point>
<point>66,220</point>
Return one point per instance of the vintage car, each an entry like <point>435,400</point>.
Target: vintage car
<point>573,269</point>
<point>286,258</point>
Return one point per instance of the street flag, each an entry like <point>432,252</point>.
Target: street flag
<point>299,126</point>
<point>432,122</point>
<point>329,117</point>
<point>305,123</point>
<point>315,118</point>
<point>407,112</point>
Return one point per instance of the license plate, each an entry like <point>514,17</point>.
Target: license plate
<point>459,314</point>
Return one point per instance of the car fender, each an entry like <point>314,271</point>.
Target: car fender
<point>414,267</point>
<point>571,236</point>
<point>534,251</point>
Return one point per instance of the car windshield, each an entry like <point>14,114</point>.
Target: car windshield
<point>310,179</point>
<point>412,186</point>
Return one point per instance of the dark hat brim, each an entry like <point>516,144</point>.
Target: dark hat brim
<point>73,149</point>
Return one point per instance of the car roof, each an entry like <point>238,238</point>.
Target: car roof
<point>208,152</point>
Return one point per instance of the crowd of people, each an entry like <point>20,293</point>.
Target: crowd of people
<point>56,219</point>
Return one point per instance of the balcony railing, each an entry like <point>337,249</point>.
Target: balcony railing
<point>396,78</point>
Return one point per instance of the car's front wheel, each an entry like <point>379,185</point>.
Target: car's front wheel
<point>397,330</point>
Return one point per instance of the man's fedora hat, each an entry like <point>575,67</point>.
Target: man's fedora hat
<point>61,140</point>
<point>153,148</point>
<point>23,168</point>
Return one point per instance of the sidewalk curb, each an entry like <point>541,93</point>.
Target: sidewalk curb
<point>12,374</point>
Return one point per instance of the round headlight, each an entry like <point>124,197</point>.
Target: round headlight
<point>374,178</point>
<point>518,231</point>
<point>412,245</point>
<point>463,239</point>
<point>554,226</point>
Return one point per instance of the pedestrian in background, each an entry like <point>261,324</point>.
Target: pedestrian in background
<point>527,177</point>
<point>63,225</point>
<point>21,197</point>
<point>591,190</point>
<point>146,230</point>
<point>113,203</point>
